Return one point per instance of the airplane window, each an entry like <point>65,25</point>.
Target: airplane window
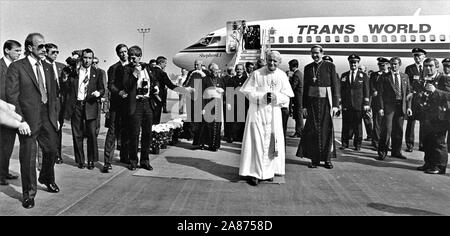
<point>365,38</point>
<point>442,37</point>
<point>318,39</point>
<point>403,38</point>
<point>346,38</point>
<point>374,38</point>
<point>327,39</point>
<point>290,39</point>
<point>413,38</point>
<point>355,38</point>
<point>432,38</point>
<point>215,39</point>
<point>422,38</point>
<point>384,38</point>
<point>393,38</point>
<point>336,39</point>
<point>299,39</point>
<point>281,39</point>
<point>308,39</point>
<point>272,40</point>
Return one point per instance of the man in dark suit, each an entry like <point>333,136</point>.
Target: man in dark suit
<point>118,126</point>
<point>296,81</point>
<point>394,98</point>
<point>414,71</point>
<point>11,50</point>
<point>237,105</point>
<point>31,87</point>
<point>51,53</point>
<point>83,89</point>
<point>354,101</point>
<point>374,82</point>
<point>163,82</point>
<point>141,86</point>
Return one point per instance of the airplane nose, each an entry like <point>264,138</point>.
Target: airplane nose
<point>178,59</point>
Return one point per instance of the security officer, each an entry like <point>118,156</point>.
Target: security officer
<point>434,118</point>
<point>374,83</point>
<point>354,101</point>
<point>414,71</point>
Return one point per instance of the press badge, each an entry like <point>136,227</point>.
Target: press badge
<point>416,77</point>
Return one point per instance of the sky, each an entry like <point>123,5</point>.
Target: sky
<point>174,24</point>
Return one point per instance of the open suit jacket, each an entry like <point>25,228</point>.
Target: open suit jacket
<point>386,93</point>
<point>70,88</point>
<point>23,92</point>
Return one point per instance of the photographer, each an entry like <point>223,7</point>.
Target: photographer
<point>83,87</point>
<point>433,102</point>
<point>142,91</point>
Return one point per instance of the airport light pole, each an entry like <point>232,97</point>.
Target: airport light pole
<point>143,31</point>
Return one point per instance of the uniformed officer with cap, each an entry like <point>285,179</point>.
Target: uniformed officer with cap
<point>355,92</point>
<point>374,83</point>
<point>414,71</point>
<point>327,58</point>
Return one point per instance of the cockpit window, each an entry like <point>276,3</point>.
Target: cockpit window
<point>209,40</point>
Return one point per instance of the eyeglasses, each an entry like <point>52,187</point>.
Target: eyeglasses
<point>40,46</point>
<point>54,52</point>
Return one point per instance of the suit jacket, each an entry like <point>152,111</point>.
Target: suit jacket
<point>327,77</point>
<point>70,88</point>
<point>115,85</point>
<point>163,79</point>
<point>130,87</point>
<point>22,90</point>
<point>374,84</point>
<point>296,82</point>
<point>386,93</point>
<point>413,75</point>
<point>3,70</point>
<point>354,95</point>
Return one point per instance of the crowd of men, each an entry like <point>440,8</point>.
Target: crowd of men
<point>37,94</point>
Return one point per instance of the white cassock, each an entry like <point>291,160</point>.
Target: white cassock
<point>263,151</point>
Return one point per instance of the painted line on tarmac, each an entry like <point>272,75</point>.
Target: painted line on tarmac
<point>90,192</point>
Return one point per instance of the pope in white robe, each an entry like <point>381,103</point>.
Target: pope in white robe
<point>263,149</point>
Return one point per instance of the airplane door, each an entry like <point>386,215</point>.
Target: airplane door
<point>252,37</point>
<point>234,35</point>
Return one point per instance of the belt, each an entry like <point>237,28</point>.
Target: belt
<point>318,92</point>
<point>79,102</point>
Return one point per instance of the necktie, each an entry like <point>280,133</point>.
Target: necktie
<point>353,77</point>
<point>397,86</point>
<point>420,70</point>
<point>44,98</point>
<point>86,81</point>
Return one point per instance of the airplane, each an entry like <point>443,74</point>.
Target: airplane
<point>369,37</point>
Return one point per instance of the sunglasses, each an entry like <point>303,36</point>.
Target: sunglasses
<point>54,52</point>
<point>40,46</point>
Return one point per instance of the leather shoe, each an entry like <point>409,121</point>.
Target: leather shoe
<point>132,166</point>
<point>432,170</point>
<point>344,146</point>
<point>81,165</point>
<point>3,182</point>
<point>398,155</point>
<point>59,160</point>
<point>382,155</point>
<point>28,203</point>
<point>146,166</point>
<point>90,165</point>
<point>51,187</point>
<point>253,181</point>
<point>422,168</point>
<point>212,149</point>
<point>409,149</point>
<point>328,165</point>
<point>105,169</point>
<point>11,176</point>
<point>312,165</point>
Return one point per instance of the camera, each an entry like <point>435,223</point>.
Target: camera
<point>143,89</point>
<point>72,62</point>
